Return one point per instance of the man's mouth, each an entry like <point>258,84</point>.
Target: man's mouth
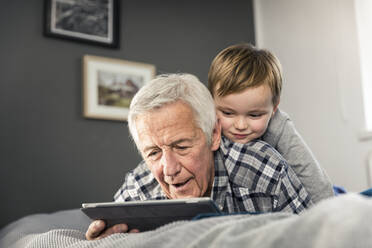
<point>179,185</point>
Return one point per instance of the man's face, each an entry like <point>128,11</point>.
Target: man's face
<point>176,150</point>
<point>245,116</point>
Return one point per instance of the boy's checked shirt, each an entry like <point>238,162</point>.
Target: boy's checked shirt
<point>250,177</point>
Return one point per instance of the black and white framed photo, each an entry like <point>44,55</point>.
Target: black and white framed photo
<point>90,21</point>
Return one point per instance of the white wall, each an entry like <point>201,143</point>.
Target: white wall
<point>364,22</point>
<point>316,42</point>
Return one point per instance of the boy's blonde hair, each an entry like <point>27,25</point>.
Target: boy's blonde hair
<point>243,66</point>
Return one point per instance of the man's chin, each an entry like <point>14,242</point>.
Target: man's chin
<point>182,195</point>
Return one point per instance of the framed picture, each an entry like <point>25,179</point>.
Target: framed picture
<point>90,21</point>
<point>110,84</point>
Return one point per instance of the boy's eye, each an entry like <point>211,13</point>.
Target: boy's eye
<point>255,115</point>
<point>227,113</point>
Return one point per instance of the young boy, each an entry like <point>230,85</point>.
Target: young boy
<point>246,84</point>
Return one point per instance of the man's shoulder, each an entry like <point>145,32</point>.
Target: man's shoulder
<point>140,184</point>
<point>255,148</point>
<point>262,147</point>
<point>254,165</point>
<point>141,169</point>
<point>263,154</point>
<point>141,175</point>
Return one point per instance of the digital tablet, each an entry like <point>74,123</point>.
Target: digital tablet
<point>148,215</point>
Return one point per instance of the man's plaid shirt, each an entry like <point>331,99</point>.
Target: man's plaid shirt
<point>250,177</point>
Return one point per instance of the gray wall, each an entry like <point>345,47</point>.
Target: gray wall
<point>51,157</point>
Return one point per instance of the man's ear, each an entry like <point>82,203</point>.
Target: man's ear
<point>216,136</point>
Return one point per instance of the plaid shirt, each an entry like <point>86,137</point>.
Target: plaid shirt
<point>250,177</point>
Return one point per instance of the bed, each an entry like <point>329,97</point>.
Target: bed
<point>342,221</point>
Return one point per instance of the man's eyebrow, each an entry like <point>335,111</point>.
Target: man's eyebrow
<point>149,148</point>
<point>174,143</point>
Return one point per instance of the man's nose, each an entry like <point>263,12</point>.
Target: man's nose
<point>241,123</point>
<point>171,166</point>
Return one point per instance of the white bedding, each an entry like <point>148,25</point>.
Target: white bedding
<point>343,221</point>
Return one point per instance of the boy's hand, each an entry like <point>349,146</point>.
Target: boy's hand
<point>96,230</point>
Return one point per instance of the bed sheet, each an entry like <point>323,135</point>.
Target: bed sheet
<point>342,221</point>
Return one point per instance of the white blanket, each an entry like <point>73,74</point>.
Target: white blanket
<point>343,221</point>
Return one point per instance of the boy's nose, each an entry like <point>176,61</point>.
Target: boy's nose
<point>171,166</point>
<point>241,123</point>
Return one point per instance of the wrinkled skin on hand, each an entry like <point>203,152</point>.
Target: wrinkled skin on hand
<point>96,230</point>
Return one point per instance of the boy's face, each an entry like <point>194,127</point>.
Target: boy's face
<point>245,116</point>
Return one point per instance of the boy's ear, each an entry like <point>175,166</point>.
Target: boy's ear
<point>216,136</point>
<point>276,106</point>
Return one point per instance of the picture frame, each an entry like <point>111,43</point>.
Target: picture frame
<point>109,85</point>
<point>96,23</point>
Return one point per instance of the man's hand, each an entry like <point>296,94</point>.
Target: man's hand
<point>96,230</point>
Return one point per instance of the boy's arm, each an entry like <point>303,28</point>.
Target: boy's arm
<point>283,136</point>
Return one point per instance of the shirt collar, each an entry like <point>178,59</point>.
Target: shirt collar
<point>221,184</point>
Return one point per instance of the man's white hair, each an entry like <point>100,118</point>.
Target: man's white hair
<point>170,88</point>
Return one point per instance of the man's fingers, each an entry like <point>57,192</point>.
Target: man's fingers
<point>134,231</point>
<point>94,229</point>
<point>119,228</point>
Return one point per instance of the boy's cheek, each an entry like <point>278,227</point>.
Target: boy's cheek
<point>223,121</point>
<point>225,127</point>
<point>219,115</point>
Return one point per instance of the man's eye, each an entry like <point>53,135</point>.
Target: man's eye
<point>152,154</point>
<point>182,148</point>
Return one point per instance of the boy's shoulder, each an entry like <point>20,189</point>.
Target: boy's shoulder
<point>279,119</point>
<point>278,123</point>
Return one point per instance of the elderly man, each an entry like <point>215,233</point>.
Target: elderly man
<point>173,123</point>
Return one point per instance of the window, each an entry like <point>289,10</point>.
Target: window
<point>363,10</point>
